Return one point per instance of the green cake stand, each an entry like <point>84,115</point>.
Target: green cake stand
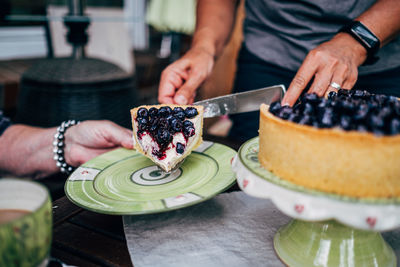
<point>327,229</point>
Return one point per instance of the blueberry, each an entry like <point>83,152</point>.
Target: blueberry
<point>332,95</point>
<point>362,112</point>
<point>395,126</point>
<point>308,109</point>
<point>163,137</point>
<point>305,120</point>
<point>343,92</point>
<point>170,118</point>
<point>178,110</point>
<point>190,112</point>
<point>311,98</point>
<point>396,107</point>
<point>180,148</point>
<point>153,128</point>
<point>180,115</point>
<point>358,93</point>
<point>163,123</point>
<point>327,119</point>
<point>164,111</point>
<point>347,105</point>
<point>285,112</point>
<point>142,123</point>
<point>378,132</point>
<point>176,125</point>
<point>345,122</point>
<point>188,124</point>
<point>376,121</point>
<point>143,112</point>
<point>294,117</point>
<point>153,112</point>
<point>362,128</point>
<point>380,99</point>
<point>188,131</point>
<point>385,112</point>
<point>275,107</point>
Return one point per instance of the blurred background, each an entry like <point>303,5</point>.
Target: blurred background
<point>97,59</point>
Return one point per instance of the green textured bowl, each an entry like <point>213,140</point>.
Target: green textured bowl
<point>25,241</point>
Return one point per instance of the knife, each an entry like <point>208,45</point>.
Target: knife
<point>241,102</point>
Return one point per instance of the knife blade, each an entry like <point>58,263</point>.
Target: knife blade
<point>241,102</point>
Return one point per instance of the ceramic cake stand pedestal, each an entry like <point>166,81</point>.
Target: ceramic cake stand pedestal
<point>327,230</point>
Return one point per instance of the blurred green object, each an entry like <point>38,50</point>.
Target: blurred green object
<point>172,15</point>
<point>25,241</point>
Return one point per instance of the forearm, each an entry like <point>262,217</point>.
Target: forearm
<point>383,19</point>
<point>215,19</point>
<point>27,151</point>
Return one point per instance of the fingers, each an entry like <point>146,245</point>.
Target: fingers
<point>185,95</point>
<point>115,135</point>
<point>77,155</point>
<point>172,78</point>
<point>299,82</point>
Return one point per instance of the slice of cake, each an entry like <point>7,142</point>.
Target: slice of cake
<point>347,144</point>
<point>167,134</point>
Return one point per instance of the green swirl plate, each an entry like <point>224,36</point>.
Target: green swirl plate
<point>124,182</point>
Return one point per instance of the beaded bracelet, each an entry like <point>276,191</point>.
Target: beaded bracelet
<point>58,146</point>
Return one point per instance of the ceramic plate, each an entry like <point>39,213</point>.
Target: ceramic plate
<point>124,182</point>
<point>311,205</point>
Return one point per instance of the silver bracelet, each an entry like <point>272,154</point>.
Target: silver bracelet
<point>58,146</point>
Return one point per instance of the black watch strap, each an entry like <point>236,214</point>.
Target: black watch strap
<point>365,37</point>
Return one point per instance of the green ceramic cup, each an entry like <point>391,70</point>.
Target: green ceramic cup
<point>26,240</point>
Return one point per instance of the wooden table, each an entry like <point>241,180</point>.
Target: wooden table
<point>85,238</point>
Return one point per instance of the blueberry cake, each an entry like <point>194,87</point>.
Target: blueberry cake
<point>347,143</point>
<point>167,133</point>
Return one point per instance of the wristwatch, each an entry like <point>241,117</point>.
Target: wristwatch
<point>365,37</point>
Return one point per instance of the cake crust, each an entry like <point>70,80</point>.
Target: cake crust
<point>350,163</point>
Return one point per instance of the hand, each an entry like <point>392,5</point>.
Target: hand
<point>334,61</point>
<point>92,138</point>
<point>180,80</point>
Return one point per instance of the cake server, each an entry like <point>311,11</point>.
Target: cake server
<point>241,102</point>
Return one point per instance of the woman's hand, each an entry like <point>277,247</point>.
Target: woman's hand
<point>335,61</point>
<point>180,80</point>
<point>92,138</point>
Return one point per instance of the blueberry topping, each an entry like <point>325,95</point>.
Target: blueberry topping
<point>332,94</point>
<point>190,112</point>
<point>143,112</point>
<point>188,132</point>
<point>180,148</point>
<point>180,115</point>
<point>142,123</point>
<point>349,109</point>
<point>275,107</point>
<point>163,137</point>
<point>164,111</point>
<point>395,126</point>
<point>176,125</point>
<point>188,124</point>
<point>161,124</point>
<point>178,110</point>
<point>153,112</point>
<point>345,122</point>
<point>285,112</point>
